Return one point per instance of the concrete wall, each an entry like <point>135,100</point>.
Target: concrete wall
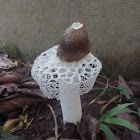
<point>113,27</point>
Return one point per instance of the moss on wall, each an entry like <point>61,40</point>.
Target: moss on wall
<point>11,50</point>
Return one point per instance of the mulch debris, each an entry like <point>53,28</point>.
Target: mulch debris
<point>20,96</point>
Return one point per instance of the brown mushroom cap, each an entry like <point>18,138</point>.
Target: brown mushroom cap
<point>74,44</point>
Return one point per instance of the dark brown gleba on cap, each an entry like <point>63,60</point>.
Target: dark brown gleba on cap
<point>74,44</point>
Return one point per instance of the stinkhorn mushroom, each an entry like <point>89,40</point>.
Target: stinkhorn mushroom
<point>67,71</point>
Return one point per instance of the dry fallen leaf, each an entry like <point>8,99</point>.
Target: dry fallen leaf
<point>11,77</point>
<point>16,63</point>
<point>135,82</point>
<point>17,101</point>
<point>2,91</point>
<point>117,138</point>
<point>30,84</point>
<point>9,86</point>
<point>13,124</point>
<point>134,85</point>
<point>134,135</point>
<point>124,84</point>
<point>88,126</point>
<point>5,63</point>
<point>130,118</point>
<point>35,92</point>
<point>93,126</point>
<point>130,135</point>
<point>10,124</point>
<point>2,72</point>
<point>13,115</point>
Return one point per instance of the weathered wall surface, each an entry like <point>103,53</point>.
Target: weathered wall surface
<point>113,27</point>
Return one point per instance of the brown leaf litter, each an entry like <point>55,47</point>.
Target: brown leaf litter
<point>18,89</point>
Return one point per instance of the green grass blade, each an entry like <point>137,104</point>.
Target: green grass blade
<point>121,122</point>
<point>116,110</point>
<point>124,91</point>
<point>127,110</point>
<point>109,134</point>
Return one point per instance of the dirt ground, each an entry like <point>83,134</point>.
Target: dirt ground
<point>23,90</point>
<point>43,125</point>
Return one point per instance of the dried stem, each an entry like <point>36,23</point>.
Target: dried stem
<point>56,126</point>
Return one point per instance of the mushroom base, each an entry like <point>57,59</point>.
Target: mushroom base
<point>70,102</point>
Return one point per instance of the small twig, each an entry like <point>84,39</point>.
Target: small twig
<point>38,110</point>
<point>99,95</point>
<point>107,104</point>
<point>124,84</point>
<point>105,84</point>
<point>101,102</point>
<point>56,126</point>
<point>103,76</point>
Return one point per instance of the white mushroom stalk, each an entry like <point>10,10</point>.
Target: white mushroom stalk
<point>67,71</point>
<point>70,102</point>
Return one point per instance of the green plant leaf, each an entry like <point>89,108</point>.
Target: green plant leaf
<point>121,122</point>
<point>7,136</point>
<point>112,100</point>
<point>116,110</point>
<point>124,91</point>
<point>109,134</point>
<point>127,110</point>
